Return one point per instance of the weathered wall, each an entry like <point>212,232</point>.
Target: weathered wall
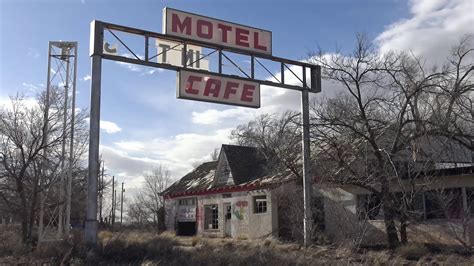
<point>244,222</point>
<point>342,223</point>
<point>263,224</point>
<point>170,214</point>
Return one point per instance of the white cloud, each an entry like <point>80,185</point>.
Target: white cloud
<point>213,116</point>
<point>33,53</point>
<point>131,160</point>
<point>130,145</point>
<point>86,78</point>
<point>30,87</point>
<point>433,28</point>
<point>142,70</point>
<point>108,126</point>
<point>29,102</point>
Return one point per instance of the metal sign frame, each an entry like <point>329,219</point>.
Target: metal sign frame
<point>97,54</point>
<point>97,41</point>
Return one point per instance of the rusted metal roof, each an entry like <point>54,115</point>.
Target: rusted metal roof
<point>248,170</point>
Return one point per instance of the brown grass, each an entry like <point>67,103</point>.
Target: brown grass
<point>413,251</point>
<point>147,247</point>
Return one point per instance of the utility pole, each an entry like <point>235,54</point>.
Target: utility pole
<point>101,193</point>
<point>112,219</point>
<point>121,205</point>
<point>115,207</point>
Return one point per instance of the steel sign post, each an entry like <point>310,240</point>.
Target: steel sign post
<point>307,225</point>
<point>91,225</point>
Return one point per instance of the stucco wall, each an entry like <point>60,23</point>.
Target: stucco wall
<point>170,213</point>
<point>244,222</point>
<point>342,223</point>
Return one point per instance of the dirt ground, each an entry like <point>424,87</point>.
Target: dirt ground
<point>147,248</point>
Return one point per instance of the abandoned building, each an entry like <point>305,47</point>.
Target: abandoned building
<point>236,196</point>
<point>229,197</point>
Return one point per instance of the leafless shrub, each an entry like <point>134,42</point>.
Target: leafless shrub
<point>412,251</point>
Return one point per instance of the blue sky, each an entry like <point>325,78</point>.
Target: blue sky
<point>144,124</point>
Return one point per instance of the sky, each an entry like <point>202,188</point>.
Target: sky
<point>143,124</point>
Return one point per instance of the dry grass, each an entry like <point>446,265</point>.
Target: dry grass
<point>10,241</point>
<point>146,247</point>
<point>413,251</point>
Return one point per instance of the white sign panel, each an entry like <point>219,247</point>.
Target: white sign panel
<point>187,213</point>
<point>172,53</point>
<point>213,88</point>
<point>216,32</point>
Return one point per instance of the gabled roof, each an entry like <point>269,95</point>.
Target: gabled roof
<point>200,178</point>
<point>245,163</point>
<point>247,167</point>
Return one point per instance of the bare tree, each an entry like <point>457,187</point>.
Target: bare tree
<point>277,136</point>
<point>26,170</point>
<point>150,195</point>
<point>215,154</point>
<point>389,103</point>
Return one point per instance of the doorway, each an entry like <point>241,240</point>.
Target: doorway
<point>227,219</point>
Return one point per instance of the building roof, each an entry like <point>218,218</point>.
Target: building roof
<point>247,167</point>
<point>201,178</point>
<point>245,163</point>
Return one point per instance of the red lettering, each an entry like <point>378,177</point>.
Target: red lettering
<point>256,44</point>
<point>189,84</point>
<point>212,86</point>
<point>241,37</point>
<point>176,24</point>
<point>229,89</point>
<point>224,30</point>
<point>247,93</point>
<point>200,29</point>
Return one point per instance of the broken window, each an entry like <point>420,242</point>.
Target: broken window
<point>260,204</point>
<point>318,213</point>
<point>369,207</point>
<point>409,203</point>
<point>211,217</point>
<point>470,199</point>
<point>441,204</point>
<point>228,212</point>
<point>187,202</point>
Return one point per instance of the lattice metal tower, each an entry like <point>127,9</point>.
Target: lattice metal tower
<point>55,202</point>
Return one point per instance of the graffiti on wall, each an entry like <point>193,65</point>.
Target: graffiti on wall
<point>239,211</point>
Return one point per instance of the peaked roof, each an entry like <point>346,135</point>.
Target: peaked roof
<point>245,163</point>
<point>247,166</point>
<point>200,178</point>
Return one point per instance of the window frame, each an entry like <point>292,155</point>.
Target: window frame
<point>211,216</point>
<point>260,204</point>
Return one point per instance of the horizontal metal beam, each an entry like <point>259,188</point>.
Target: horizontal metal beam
<point>99,27</point>
<point>177,68</point>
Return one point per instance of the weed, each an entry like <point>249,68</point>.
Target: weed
<point>412,251</point>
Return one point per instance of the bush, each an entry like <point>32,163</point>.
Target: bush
<point>53,250</point>
<point>413,251</point>
<point>10,241</point>
<point>195,240</point>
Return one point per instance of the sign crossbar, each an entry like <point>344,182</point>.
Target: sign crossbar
<point>99,27</point>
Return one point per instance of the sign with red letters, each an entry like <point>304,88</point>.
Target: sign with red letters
<point>216,32</point>
<point>194,85</point>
